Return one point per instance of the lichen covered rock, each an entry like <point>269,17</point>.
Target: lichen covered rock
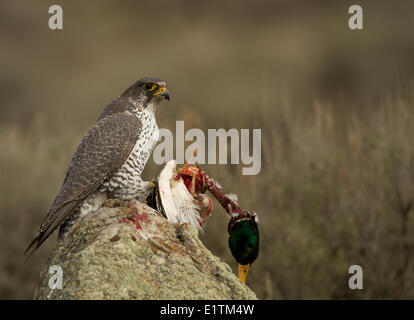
<point>129,251</point>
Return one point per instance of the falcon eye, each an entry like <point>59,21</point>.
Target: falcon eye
<point>150,86</point>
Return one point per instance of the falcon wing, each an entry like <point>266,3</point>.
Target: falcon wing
<point>100,154</point>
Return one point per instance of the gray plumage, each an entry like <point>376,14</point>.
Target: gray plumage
<point>110,158</point>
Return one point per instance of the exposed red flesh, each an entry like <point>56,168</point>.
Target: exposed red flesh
<point>197,181</point>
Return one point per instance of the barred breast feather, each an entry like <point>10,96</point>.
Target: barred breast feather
<point>127,182</point>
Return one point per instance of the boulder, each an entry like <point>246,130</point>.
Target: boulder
<point>127,250</point>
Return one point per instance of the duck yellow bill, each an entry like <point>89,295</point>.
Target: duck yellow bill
<point>243,269</point>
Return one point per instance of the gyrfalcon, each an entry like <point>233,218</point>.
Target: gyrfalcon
<point>110,158</point>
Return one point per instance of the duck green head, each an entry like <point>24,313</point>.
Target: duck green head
<point>244,242</point>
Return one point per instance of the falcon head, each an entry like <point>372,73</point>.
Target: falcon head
<point>148,91</point>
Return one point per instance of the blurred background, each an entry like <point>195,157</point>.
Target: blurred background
<point>335,106</point>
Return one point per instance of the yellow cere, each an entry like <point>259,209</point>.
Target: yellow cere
<point>161,90</point>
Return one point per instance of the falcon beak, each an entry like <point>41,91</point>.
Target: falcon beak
<point>243,269</point>
<point>162,93</point>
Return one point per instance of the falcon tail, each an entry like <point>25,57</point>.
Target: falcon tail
<point>51,222</point>
<point>32,247</point>
<point>37,242</point>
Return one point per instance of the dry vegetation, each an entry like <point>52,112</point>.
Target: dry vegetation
<point>335,107</point>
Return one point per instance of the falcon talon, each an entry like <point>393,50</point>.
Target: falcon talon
<point>113,203</point>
